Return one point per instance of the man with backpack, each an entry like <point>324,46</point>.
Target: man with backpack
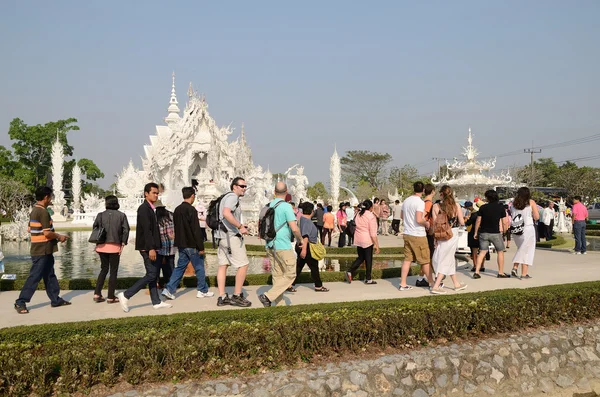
<point>230,241</point>
<point>276,226</point>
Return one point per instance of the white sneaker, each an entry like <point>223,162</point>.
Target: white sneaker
<point>576,253</point>
<point>167,294</point>
<point>584,253</point>
<point>461,287</point>
<point>162,305</point>
<point>438,291</point>
<point>124,302</point>
<point>206,294</point>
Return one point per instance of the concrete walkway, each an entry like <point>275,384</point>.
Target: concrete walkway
<point>550,268</point>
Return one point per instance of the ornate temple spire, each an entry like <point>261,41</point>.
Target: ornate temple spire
<point>173,109</point>
<point>243,135</point>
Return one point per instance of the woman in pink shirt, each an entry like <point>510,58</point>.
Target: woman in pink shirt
<point>342,221</point>
<point>365,239</point>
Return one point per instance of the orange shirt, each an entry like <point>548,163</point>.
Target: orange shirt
<point>328,220</point>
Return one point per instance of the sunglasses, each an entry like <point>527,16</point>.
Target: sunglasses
<point>243,186</point>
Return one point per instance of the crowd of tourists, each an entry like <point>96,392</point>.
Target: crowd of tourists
<point>295,237</point>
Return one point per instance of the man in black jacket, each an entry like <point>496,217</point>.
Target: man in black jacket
<point>190,242</point>
<point>147,241</point>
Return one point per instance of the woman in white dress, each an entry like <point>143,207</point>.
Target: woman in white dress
<point>524,213</point>
<point>443,257</point>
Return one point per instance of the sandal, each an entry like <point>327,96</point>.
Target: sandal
<point>99,299</point>
<point>21,309</point>
<point>112,300</point>
<point>291,289</point>
<point>322,289</point>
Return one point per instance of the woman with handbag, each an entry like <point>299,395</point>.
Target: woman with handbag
<point>310,236</point>
<point>365,239</point>
<point>444,264</point>
<point>524,214</point>
<point>109,245</point>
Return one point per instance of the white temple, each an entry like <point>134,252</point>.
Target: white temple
<point>472,176</point>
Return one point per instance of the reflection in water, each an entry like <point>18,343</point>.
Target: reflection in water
<point>76,258</point>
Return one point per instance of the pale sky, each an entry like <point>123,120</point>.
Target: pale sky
<point>407,78</point>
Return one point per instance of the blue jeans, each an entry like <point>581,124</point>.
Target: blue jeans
<point>187,255</point>
<point>579,232</point>
<point>42,268</point>
<point>150,279</point>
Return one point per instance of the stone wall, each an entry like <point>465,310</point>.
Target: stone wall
<point>557,362</point>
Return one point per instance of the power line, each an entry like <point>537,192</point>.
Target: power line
<point>586,158</point>
<point>570,142</point>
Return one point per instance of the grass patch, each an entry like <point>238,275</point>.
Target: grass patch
<point>554,243</point>
<point>63,358</point>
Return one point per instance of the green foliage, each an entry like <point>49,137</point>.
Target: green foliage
<point>362,165</point>
<point>317,190</point>
<point>13,195</point>
<point>592,233</point>
<point>589,226</point>
<point>64,358</point>
<point>403,178</point>
<point>558,240</point>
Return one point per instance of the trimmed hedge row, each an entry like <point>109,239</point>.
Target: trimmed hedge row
<point>592,232</point>
<point>332,251</point>
<point>69,357</point>
<point>589,226</point>
<point>558,240</point>
<point>191,282</point>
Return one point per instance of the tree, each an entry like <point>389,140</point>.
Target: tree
<point>33,146</point>
<point>403,178</point>
<point>364,191</point>
<point>363,165</point>
<point>89,169</point>
<point>13,195</point>
<point>317,190</point>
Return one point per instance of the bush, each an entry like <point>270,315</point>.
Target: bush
<point>558,240</point>
<point>190,282</point>
<point>58,358</point>
<point>592,232</point>
<point>589,226</point>
<point>333,251</point>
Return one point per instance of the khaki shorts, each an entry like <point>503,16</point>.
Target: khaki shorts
<point>416,249</point>
<point>237,258</point>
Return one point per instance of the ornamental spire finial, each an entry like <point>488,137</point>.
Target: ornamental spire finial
<point>173,108</point>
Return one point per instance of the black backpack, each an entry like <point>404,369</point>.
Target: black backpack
<point>213,216</point>
<point>266,223</point>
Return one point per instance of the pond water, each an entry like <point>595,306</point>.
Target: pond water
<point>76,258</point>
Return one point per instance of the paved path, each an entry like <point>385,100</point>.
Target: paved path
<point>550,268</point>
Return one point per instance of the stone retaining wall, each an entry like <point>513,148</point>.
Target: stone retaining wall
<point>561,361</point>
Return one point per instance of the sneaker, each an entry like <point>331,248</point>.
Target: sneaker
<point>239,300</point>
<point>370,282</point>
<point>576,253</point>
<point>123,301</point>
<point>407,288</point>
<point>264,300</point>
<point>514,274</point>
<point>438,291</point>
<point>460,287</point>
<point>165,292</point>
<point>476,276</point>
<point>224,301</point>
<point>162,305</point>
<point>422,283</point>
<point>206,294</point>
<point>527,277</point>
<point>584,253</point>
<point>348,277</point>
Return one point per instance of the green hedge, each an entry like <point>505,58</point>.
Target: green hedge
<point>589,226</point>
<point>191,282</point>
<point>592,232</point>
<point>59,358</point>
<point>558,240</point>
<point>332,251</point>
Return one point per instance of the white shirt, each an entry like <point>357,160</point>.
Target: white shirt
<point>410,207</point>
<point>548,216</point>
<point>396,210</point>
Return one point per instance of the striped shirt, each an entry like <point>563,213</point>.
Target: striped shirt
<point>40,220</point>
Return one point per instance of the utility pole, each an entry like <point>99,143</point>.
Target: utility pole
<point>532,176</point>
<point>438,163</point>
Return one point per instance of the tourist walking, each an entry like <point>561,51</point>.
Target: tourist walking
<point>309,234</point>
<point>507,233</point>
<point>147,242</point>
<point>319,212</point>
<point>116,227</point>
<point>201,208</point>
<point>190,244</point>
<point>328,224</point>
<point>524,213</point>
<point>44,243</point>
<point>579,216</point>
<point>429,192</point>
<point>350,215</point>
<point>396,216</point>
<point>232,247</point>
<point>416,248</point>
<point>279,250</point>
<point>489,228</point>
<point>365,239</point>
<point>443,260</point>
<point>548,221</point>
<point>342,220</point>
<point>166,254</point>
<point>472,243</point>
<point>377,211</point>
<point>384,211</point>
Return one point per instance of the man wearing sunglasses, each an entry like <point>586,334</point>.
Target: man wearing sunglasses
<point>231,247</point>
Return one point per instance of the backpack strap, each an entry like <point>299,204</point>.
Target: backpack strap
<point>284,223</point>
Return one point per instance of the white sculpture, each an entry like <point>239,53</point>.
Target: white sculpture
<point>335,177</point>
<point>393,197</point>
<point>76,188</point>
<point>92,203</point>
<point>58,159</point>
<point>562,226</point>
<point>17,230</point>
<point>470,176</point>
<point>300,182</point>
